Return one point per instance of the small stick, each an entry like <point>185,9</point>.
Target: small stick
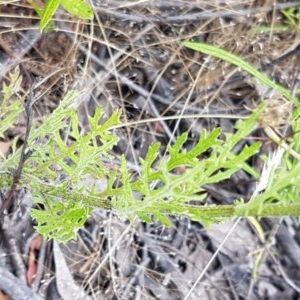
<point>25,154</point>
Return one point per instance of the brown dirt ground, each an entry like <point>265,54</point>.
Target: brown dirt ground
<point>131,57</point>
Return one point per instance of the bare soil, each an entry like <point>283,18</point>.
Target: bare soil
<point>131,57</point>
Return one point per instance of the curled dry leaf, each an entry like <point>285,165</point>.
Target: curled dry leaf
<point>35,245</point>
<point>4,147</point>
<point>4,297</point>
<point>276,113</point>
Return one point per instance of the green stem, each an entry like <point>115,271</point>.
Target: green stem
<point>243,210</point>
<point>268,210</point>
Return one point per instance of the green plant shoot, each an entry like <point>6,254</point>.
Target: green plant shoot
<point>77,8</point>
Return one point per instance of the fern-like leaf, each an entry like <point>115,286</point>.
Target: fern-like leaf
<point>60,221</point>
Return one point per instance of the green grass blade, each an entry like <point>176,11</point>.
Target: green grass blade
<point>239,62</point>
<point>50,9</point>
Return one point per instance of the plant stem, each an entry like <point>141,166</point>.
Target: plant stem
<point>268,210</point>
<point>242,210</point>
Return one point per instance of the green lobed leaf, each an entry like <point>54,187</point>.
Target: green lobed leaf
<point>60,222</point>
<point>126,197</point>
<point>10,105</point>
<point>158,215</point>
<point>180,158</point>
<point>144,217</point>
<point>57,120</point>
